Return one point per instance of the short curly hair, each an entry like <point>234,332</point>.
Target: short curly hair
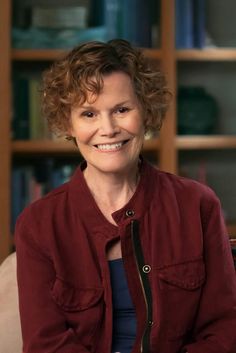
<point>69,80</point>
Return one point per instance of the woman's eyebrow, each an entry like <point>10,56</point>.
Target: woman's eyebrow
<point>122,103</point>
<point>91,107</point>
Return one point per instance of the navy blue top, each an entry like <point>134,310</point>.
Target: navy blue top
<point>124,318</point>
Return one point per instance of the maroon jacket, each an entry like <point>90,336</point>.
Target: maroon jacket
<point>176,255</point>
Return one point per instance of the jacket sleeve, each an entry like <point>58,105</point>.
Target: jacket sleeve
<point>43,326</point>
<point>215,328</point>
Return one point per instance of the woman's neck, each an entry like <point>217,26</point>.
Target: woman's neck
<point>111,191</point>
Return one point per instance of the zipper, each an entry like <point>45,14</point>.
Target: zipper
<point>145,285</point>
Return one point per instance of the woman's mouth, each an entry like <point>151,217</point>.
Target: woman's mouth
<point>111,146</point>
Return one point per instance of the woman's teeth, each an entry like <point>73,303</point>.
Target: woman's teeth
<point>110,147</point>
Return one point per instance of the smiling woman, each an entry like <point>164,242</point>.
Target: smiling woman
<point>124,257</point>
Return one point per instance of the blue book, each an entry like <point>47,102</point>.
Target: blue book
<point>184,27</point>
<point>97,13</point>
<point>199,23</point>
<point>136,22</point>
<point>17,197</point>
<point>112,10</point>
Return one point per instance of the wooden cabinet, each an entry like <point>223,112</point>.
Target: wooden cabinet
<point>166,147</point>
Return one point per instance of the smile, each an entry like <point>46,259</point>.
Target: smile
<point>110,146</point>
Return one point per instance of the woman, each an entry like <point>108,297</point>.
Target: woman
<point>123,257</point>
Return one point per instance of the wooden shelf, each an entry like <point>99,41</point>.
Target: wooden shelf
<point>205,142</point>
<point>53,54</point>
<point>61,147</point>
<point>43,147</point>
<point>37,54</point>
<point>212,54</point>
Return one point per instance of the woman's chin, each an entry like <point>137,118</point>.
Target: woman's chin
<point>113,166</point>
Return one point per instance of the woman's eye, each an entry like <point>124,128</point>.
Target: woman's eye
<point>122,110</point>
<point>88,114</point>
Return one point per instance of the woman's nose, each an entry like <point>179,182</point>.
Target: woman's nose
<point>108,126</point>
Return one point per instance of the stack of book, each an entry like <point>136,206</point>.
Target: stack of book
<point>66,26</point>
<point>54,26</point>
<point>60,17</point>
<point>130,20</point>
<point>28,122</point>
<point>31,182</point>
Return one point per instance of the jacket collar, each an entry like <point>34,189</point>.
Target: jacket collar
<point>85,207</point>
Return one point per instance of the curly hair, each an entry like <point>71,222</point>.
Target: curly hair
<point>69,80</point>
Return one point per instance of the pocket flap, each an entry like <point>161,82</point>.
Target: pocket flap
<point>188,275</point>
<point>75,299</point>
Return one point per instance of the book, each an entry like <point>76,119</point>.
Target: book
<point>199,23</point>
<point>136,22</point>
<point>20,121</point>
<point>16,195</point>
<point>34,109</point>
<point>31,181</point>
<point>184,27</point>
<point>38,124</point>
<point>60,17</point>
<point>112,11</point>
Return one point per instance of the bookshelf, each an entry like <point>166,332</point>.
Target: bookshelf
<point>166,147</point>
<point>216,54</point>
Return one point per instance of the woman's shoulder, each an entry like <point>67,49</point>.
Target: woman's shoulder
<point>184,187</point>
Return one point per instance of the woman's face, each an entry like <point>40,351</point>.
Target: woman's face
<point>109,131</point>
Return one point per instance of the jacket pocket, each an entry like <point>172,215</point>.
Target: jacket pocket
<point>82,307</point>
<point>187,275</point>
<point>71,298</point>
<point>180,287</point>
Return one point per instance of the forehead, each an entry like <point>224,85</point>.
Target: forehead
<point>117,85</point>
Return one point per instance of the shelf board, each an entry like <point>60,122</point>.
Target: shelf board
<point>207,54</point>
<point>37,54</point>
<point>205,142</point>
<point>54,54</point>
<point>43,147</point>
<point>61,146</point>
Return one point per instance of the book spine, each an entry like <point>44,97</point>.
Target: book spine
<point>16,195</point>
<point>184,24</point>
<point>20,121</point>
<point>34,109</point>
<point>199,10</point>
<point>136,22</point>
<point>38,125</point>
<point>112,14</point>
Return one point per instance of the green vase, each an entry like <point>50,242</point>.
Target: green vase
<point>197,111</point>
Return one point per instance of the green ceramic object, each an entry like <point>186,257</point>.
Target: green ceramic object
<point>197,111</point>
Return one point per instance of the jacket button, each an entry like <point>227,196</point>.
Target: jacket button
<point>129,213</point>
<point>146,268</point>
